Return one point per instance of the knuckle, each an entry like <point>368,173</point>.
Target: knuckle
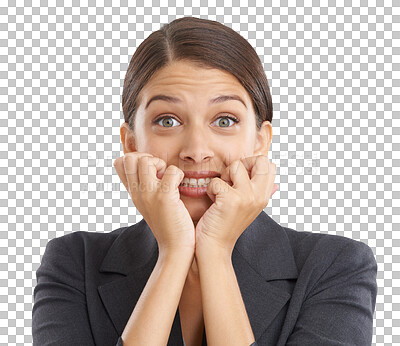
<point>234,163</point>
<point>234,166</point>
<point>143,163</point>
<point>125,159</point>
<point>175,170</point>
<point>129,155</point>
<point>158,160</point>
<point>128,159</point>
<point>142,159</point>
<point>172,167</point>
<point>168,171</point>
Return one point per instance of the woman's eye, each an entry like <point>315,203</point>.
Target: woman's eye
<point>167,121</point>
<point>225,120</point>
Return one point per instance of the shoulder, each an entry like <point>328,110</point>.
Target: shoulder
<point>77,246</point>
<point>336,290</point>
<point>303,241</point>
<point>325,249</point>
<point>67,258</point>
<point>85,237</point>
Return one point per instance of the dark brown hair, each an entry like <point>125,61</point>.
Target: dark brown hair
<point>208,44</point>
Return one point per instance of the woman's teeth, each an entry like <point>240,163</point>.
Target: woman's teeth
<point>195,182</point>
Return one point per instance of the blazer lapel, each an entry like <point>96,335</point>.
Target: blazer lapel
<point>261,254</point>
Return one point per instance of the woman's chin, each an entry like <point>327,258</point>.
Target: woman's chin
<point>196,207</point>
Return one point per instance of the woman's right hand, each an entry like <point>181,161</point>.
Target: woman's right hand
<point>158,199</point>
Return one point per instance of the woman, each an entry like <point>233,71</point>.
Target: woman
<point>206,264</point>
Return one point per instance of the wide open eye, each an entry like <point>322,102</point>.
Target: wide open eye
<point>234,119</point>
<point>168,122</point>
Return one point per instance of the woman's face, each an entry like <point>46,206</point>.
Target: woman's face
<point>196,133</point>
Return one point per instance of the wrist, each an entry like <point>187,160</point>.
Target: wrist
<point>213,253</point>
<point>172,254</point>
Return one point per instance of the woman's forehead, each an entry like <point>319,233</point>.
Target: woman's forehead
<point>183,82</point>
<point>185,75</point>
<point>177,92</point>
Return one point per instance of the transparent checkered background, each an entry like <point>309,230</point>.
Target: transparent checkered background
<point>335,85</point>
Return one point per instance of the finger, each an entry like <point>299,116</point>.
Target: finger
<point>238,174</point>
<point>271,179</point>
<point>263,176</point>
<point>217,188</point>
<point>249,162</point>
<point>130,161</point>
<point>148,167</point>
<point>260,170</point>
<point>119,167</point>
<point>171,179</point>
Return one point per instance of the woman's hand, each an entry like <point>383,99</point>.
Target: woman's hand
<point>154,191</point>
<point>235,207</point>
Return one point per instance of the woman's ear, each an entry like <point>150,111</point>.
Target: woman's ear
<point>127,138</point>
<point>263,139</point>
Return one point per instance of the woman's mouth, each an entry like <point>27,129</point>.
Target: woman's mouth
<point>194,184</point>
<point>191,182</point>
<point>194,187</point>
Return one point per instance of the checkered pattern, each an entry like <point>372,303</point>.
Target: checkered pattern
<point>335,85</point>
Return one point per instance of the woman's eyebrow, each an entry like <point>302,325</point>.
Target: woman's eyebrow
<point>218,99</point>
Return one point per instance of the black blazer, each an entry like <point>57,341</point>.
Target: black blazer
<point>299,288</point>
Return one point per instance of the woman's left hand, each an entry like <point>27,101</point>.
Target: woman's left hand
<point>235,205</point>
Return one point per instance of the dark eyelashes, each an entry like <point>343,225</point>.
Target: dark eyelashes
<point>229,117</point>
<point>234,119</point>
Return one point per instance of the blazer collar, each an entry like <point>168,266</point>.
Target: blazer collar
<point>261,254</point>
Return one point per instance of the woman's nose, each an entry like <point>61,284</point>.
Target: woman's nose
<point>196,147</point>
